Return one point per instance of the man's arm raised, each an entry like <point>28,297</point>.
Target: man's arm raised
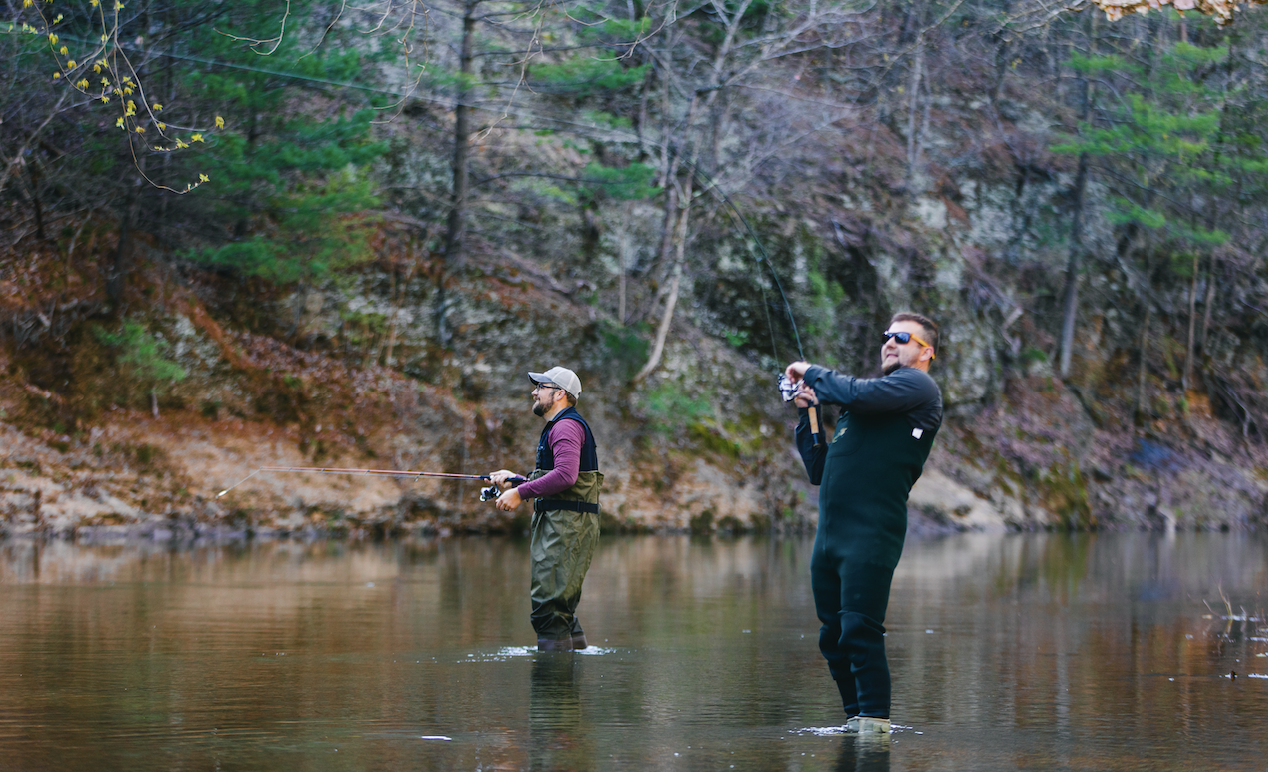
<point>902,390</point>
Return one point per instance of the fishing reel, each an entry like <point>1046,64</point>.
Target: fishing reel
<point>788,388</point>
<point>490,493</point>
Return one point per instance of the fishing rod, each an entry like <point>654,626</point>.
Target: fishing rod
<point>486,494</point>
<point>787,388</point>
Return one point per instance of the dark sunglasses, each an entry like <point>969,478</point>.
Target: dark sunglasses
<point>905,337</point>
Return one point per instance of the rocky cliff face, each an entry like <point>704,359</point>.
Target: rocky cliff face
<point>704,443</point>
<point>704,446</point>
<point>348,371</point>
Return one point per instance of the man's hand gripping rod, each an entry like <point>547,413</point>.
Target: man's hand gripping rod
<point>788,390</point>
<point>486,494</point>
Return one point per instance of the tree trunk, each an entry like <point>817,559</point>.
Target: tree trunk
<point>33,181</point>
<point>386,340</point>
<point>662,331</point>
<point>1212,216</point>
<point>116,273</point>
<point>74,240</point>
<point>1142,392</point>
<point>1071,312</point>
<point>253,133</point>
<point>1206,305</point>
<point>1001,66</point>
<point>455,229</point>
<point>1187,378</point>
<point>913,107</point>
<point>398,293</point>
<point>672,162</point>
<point>622,249</point>
<point>18,158</point>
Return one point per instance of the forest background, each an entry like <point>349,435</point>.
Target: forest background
<point>268,232</point>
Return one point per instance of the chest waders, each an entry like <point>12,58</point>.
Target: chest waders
<point>872,462</point>
<point>563,535</point>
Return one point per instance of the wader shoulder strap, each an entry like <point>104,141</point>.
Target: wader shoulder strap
<point>589,455</point>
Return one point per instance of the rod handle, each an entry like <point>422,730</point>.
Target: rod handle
<point>812,413</point>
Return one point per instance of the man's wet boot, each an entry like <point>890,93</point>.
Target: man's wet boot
<point>579,641</point>
<point>867,725</point>
<point>552,644</point>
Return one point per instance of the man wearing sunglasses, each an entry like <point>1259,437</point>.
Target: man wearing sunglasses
<point>864,474</point>
<point>565,526</point>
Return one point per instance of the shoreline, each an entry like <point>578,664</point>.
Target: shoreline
<point>919,529</point>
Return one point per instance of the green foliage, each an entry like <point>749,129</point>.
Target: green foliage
<point>1102,65</point>
<point>288,184</point>
<point>371,321</point>
<point>1162,140</point>
<point>627,183</point>
<point>826,297</point>
<point>712,30</point>
<point>586,75</point>
<point>1201,236</point>
<point>299,189</point>
<point>671,409</point>
<point>1182,264</point>
<point>600,118</point>
<point>547,189</point>
<point>709,438</point>
<point>625,349</point>
<point>737,338</point>
<point>623,30</point>
<point>1031,354</point>
<point>1127,211</point>
<point>142,354</point>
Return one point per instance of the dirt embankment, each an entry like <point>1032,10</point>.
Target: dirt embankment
<point>90,448</point>
<point>98,450</point>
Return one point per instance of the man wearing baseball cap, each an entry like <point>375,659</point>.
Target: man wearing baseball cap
<point>565,527</point>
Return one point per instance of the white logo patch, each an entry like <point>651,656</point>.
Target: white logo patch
<point>917,432</point>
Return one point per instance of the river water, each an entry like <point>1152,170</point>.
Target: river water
<point>1109,651</point>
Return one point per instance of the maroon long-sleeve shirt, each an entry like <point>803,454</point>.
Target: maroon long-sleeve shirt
<point>566,439</point>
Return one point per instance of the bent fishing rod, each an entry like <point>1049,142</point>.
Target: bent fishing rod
<point>486,494</point>
<point>787,389</point>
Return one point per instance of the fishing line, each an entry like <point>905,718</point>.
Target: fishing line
<point>735,212</point>
<point>788,390</point>
<point>355,472</point>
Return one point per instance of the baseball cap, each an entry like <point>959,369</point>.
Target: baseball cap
<point>561,377</point>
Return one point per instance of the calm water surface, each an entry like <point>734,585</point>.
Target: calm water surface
<point>1008,652</point>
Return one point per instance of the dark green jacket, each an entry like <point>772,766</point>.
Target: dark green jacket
<point>876,454</point>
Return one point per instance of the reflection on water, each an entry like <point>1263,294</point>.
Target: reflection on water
<point>1126,651</point>
<point>558,735</point>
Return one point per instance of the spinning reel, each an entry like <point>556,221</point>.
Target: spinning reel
<point>788,389</point>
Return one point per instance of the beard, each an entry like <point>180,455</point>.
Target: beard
<point>539,409</point>
<point>891,367</point>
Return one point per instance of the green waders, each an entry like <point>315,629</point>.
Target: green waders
<point>561,545</point>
